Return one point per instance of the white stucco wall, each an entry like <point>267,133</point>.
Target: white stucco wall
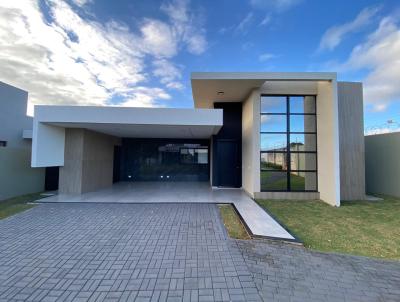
<point>48,143</point>
<point>251,143</point>
<point>328,143</point>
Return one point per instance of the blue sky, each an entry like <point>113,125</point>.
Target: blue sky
<point>141,53</point>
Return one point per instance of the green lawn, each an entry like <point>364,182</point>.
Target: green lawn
<point>17,204</point>
<point>269,182</point>
<point>368,228</point>
<point>232,222</point>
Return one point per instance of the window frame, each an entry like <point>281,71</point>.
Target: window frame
<point>288,151</point>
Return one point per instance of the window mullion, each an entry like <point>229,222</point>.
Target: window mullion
<point>288,143</point>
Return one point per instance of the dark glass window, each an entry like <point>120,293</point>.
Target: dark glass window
<point>164,159</point>
<point>3,143</point>
<point>288,143</point>
<point>194,156</point>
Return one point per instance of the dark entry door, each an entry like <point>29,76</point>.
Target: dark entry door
<point>228,163</point>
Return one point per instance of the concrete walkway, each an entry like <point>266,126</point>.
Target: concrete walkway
<point>257,220</point>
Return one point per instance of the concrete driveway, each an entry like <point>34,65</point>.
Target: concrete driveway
<point>169,252</point>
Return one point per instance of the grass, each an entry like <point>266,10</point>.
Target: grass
<point>232,222</point>
<point>367,228</point>
<point>17,204</point>
<point>297,182</point>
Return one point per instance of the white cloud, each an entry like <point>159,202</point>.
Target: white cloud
<point>144,97</point>
<point>380,56</point>
<point>276,5</point>
<point>168,73</point>
<point>81,2</point>
<point>67,59</point>
<point>266,56</point>
<point>267,19</point>
<point>159,38</point>
<point>186,25</point>
<point>380,130</point>
<point>245,23</point>
<point>335,34</point>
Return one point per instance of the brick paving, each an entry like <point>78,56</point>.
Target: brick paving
<point>284,272</point>
<point>116,252</point>
<point>169,252</point>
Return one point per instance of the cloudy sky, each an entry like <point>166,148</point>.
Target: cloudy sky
<point>141,53</point>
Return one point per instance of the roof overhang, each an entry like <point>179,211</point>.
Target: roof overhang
<point>50,122</point>
<point>134,122</point>
<point>210,87</point>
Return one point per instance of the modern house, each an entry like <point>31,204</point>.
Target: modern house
<point>275,135</point>
<point>382,163</point>
<point>16,175</point>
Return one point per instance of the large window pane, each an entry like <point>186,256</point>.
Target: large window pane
<point>288,158</point>
<point>302,123</point>
<point>273,104</point>
<point>273,181</point>
<point>273,142</point>
<point>302,104</point>
<point>273,123</point>
<point>303,142</point>
<point>303,161</point>
<point>303,181</point>
<point>274,161</point>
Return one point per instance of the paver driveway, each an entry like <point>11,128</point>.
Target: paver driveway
<point>175,252</point>
<point>157,252</point>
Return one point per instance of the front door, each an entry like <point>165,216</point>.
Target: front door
<point>228,163</point>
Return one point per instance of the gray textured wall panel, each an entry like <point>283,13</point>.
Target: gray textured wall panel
<point>351,140</point>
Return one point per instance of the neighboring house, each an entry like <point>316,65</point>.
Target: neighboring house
<point>241,122</point>
<point>16,175</point>
<point>382,163</point>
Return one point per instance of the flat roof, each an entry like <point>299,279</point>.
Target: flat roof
<point>236,86</point>
<point>134,122</point>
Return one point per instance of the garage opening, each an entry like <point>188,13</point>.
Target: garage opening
<point>163,160</point>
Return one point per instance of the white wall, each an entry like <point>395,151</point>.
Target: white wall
<point>327,138</point>
<point>251,143</point>
<point>328,143</point>
<point>47,145</point>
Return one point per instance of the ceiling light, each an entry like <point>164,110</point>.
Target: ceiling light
<point>221,93</point>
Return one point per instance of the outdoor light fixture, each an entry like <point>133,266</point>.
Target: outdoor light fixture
<point>220,93</point>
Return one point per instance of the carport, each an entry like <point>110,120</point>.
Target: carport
<point>98,146</point>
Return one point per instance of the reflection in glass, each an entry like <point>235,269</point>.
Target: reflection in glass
<point>303,161</point>
<point>273,142</point>
<point>303,181</point>
<point>164,159</point>
<point>273,123</point>
<point>303,142</point>
<point>302,123</point>
<point>301,104</point>
<point>194,156</point>
<point>273,104</point>
<point>273,181</point>
<point>273,161</point>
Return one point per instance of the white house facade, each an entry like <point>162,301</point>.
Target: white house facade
<point>275,135</point>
